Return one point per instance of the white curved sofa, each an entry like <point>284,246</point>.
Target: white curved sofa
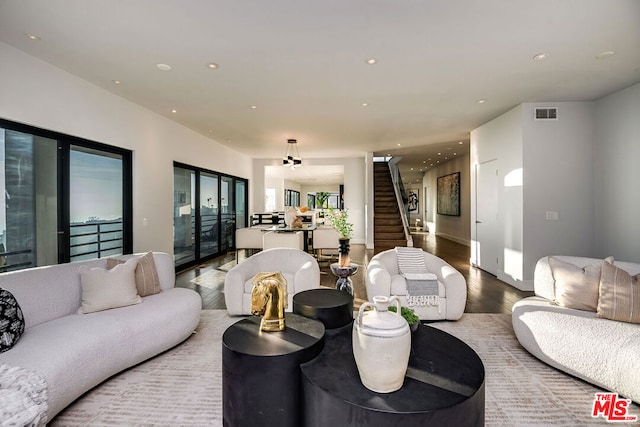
<point>384,278</point>
<point>300,269</point>
<point>600,351</point>
<point>75,352</point>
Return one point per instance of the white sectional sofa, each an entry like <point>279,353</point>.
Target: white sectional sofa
<point>598,350</point>
<point>74,352</point>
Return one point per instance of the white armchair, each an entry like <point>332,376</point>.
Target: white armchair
<point>383,278</point>
<point>298,267</point>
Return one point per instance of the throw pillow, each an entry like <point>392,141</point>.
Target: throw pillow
<point>147,281</point>
<point>619,295</point>
<point>576,287</point>
<point>11,320</point>
<point>104,289</point>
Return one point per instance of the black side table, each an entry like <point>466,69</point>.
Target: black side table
<point>261,384</point>
<point>344,283</point>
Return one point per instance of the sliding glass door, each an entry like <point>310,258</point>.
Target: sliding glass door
<point>184,182</point>
<point>207,208</point>
<point>209,241</point>
<point>65,199</point>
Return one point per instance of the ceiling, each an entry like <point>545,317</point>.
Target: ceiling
<point>298,69</point>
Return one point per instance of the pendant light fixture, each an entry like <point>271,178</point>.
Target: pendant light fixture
<point>292,156</point>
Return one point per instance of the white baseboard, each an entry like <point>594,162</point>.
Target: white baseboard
<point>523,285</point>
<point>455,239</point>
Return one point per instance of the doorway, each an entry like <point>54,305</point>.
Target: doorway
<point>487,248</point>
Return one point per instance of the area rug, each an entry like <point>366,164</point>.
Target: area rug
<point>183,385</point>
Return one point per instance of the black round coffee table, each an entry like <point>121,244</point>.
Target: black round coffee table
<point>444,385</point>
<point>261,371</point>
<point>332,307</point>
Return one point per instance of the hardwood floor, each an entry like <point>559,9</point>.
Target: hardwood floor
<point>485,293</point>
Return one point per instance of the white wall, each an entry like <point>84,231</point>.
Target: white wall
<point>354,188</point>
<point>558,177</point>
<point>456,228</point>
<point>36,93</point>
<point>617,175</point>
<point>501,140</point>
<point>582,166</point>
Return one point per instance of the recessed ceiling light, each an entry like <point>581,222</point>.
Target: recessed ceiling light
<point>164,67</point>
<point>370,61</point>
<point>460,142</point>
<point>606,54</point>
<point>174,111</point>
<point>212,66</point>
<point>411,168</point>
<point>399,145</point>
<point>424,161</point>
<point>116,81</point>
<point>455,154</point>
<point>481,101</point>
<point>364,104</point>
<point>439,154</point>
<point>541,56</point>
<point>253,107</point>
<point>33,37</point>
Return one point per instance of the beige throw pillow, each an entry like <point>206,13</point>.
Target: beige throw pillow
<point>104,289</point>
<point>147,281</point>
<point>619,295</point>
<point>576,287</point>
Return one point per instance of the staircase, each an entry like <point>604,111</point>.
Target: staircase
<point>388,231</point>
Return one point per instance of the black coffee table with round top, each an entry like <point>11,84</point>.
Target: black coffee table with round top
<point>444,385</point>
<point>332,307</point>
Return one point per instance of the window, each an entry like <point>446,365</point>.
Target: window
<point>207,208</point>
<point>269,199</point>
<point>66,198</point>
<point>291,198</point>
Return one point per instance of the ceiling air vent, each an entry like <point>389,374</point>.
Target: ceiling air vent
<point>550,113</point>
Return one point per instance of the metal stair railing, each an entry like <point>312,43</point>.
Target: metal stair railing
<point>401,197</point>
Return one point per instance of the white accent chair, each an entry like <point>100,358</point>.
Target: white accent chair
<point>325,238</point>
<point>383,278</point>
<point>285,239</point>
<point>299,268</point>
<point>248,238</point>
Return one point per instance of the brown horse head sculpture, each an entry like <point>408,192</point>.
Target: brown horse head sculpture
<point>269,299</point>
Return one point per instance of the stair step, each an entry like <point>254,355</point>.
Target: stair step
<point>387,236</point>
<point>388,228</point>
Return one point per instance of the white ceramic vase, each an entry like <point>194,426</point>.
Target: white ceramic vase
<point>381,345</point>
<point>289,216</point>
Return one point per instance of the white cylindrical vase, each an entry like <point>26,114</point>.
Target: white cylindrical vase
<point>381,345</point>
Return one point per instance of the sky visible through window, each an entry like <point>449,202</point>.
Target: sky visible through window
<point>96,187</point>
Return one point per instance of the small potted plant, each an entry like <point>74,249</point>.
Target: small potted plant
<point>339,221</point>
<point>409,315</point>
